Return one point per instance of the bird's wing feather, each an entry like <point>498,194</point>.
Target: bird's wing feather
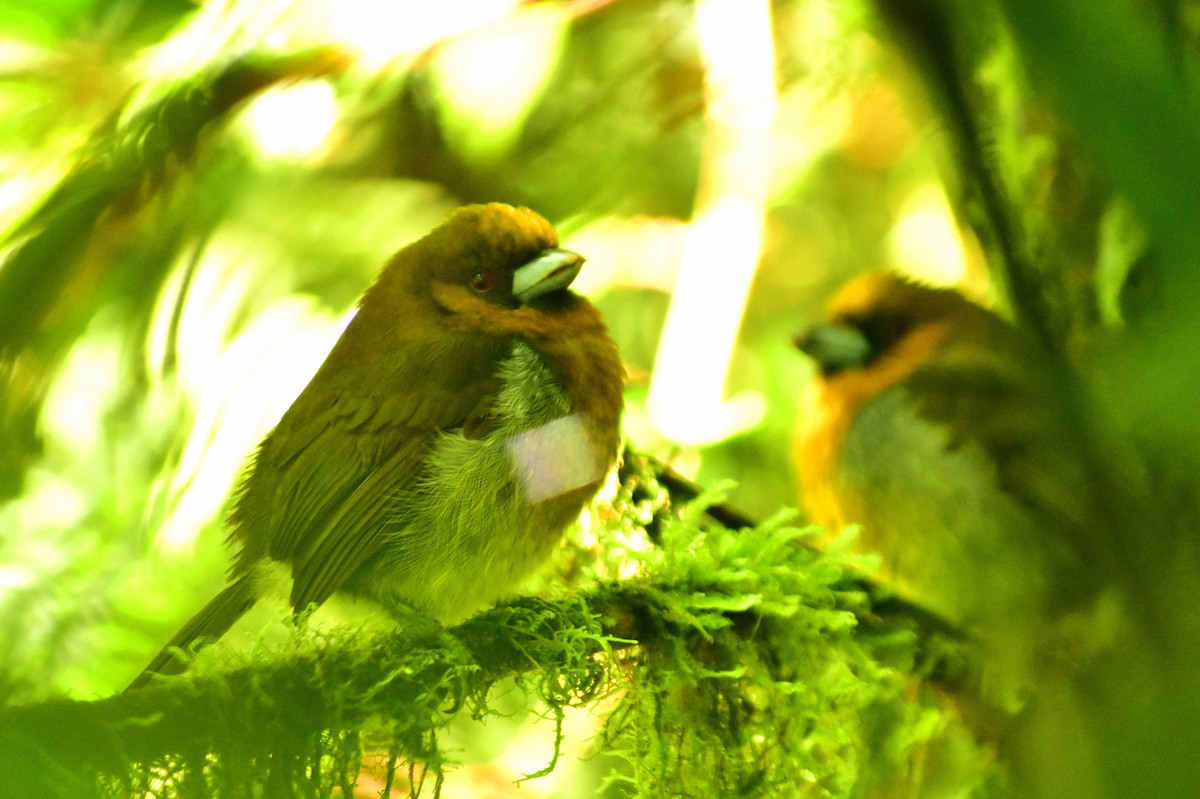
<point>355,529</point>
<point>1018,418</point>
<point>338,464</point>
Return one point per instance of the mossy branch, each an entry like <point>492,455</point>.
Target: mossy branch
<point>279,712</point>
<point>737,656</point>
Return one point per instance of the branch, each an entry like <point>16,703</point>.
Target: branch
<point>725,641</point>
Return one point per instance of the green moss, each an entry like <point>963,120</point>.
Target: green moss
<point>732,662</point>
<point>756,680</point>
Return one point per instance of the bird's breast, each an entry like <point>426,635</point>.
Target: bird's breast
<point>950,537</point>
<point>488,510</point>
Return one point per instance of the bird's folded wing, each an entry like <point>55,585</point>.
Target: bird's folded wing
<point>337,492</point>
<point>1019,418</point>
<point>353,529</point>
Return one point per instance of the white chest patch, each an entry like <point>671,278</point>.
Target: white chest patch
<point>554,458</point>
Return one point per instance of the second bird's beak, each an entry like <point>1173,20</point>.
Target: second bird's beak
<point>553,269</point>
<point>834,347</point>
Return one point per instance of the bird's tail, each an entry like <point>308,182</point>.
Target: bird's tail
<point>213,621</point>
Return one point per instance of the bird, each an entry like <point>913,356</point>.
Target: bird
<point>946,434</point>
<point>462,421</point>
<point>949,437</point>
<point>982,469</point>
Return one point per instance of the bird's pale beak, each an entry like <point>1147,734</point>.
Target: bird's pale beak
<point>835,347</point>
<point>553,269</point>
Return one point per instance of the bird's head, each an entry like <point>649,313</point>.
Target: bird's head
<point>484,260</point>
<point>884,331</point>
<point>489,273</point>
<point>883,320</point>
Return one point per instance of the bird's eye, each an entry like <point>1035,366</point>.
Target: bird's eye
<point>482,281</point>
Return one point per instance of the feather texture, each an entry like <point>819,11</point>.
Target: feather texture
<point>391,475</point>
<point>947,439</point>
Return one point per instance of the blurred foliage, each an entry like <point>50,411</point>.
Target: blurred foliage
<point>185,228</point>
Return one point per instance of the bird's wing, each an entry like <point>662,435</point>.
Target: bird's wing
<point>1016,411</point>
<point>335,468</point>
